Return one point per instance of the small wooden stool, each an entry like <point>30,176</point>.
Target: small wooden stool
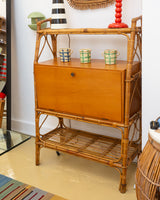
<point>148,169</point>
<point>2,103</point>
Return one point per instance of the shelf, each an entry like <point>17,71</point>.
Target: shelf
<point>89,31</point>
<point>96,147</point>
<point>3,79</point>
<point>3,31</point>
<point>2,54</point>
<point>3,43</point>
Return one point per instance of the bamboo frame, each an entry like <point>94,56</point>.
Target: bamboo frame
<point>127,148</point>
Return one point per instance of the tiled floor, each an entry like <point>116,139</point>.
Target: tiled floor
<point>68,176</point>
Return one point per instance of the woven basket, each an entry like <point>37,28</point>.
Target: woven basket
<point>148,170</point>
<point>89,4</point>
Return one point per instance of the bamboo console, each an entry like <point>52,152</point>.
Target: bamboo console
<point>108,95</point>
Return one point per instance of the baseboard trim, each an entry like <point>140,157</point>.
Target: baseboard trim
<point>29,127</point>
<point>23,127</point>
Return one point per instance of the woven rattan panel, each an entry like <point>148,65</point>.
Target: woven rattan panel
<point>89,4</point>
<point>91,145</point>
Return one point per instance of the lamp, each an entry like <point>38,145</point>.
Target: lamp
<point>118,22</point>
<point>58,20</point>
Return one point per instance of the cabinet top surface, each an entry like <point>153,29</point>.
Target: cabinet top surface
<point>89,31</point>
<point>95,64</point>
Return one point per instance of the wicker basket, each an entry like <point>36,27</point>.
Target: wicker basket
<point>148,170</point>
<point>88,4</point>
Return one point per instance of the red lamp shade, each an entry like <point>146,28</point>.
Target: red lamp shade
<point>118,22</point>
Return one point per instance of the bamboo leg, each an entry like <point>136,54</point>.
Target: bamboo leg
<point>37,153</point>
<point>125,141</point>
<point>37,139</point>
<point>2,103</point>
<point>60,122</point>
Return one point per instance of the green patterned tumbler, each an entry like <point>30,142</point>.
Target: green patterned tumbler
<point>85,55</point>
<point>110,56</point>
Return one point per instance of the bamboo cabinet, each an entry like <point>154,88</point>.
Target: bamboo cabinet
<point>108,95</point>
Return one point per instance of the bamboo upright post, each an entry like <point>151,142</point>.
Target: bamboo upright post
<point>131,43</point>
<point>2,103</point>
<point>54,45</point>
<point>37,116</point>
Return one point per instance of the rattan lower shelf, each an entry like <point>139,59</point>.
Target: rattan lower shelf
<point>96,147</point>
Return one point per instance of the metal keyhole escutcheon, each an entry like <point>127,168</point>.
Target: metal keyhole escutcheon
<point>72,74</point>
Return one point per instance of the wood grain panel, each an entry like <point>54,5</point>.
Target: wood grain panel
<point>94,93</point>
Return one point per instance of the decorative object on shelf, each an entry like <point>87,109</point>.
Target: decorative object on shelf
<point>36,17</point>
<point>110,56</point>
<point>3,70</point>
<point>85,55</point>
<point>65,54</point>
<point>88,4</point>
<point>148,168</point>
<point>0,50</point>
<point>59,20</point>
<point>118,22</point>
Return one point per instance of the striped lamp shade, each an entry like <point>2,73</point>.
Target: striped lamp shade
<point>59,20</point>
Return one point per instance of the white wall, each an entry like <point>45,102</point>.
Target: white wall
<point>151,65</point>
<point>23,47</point>
<point>3,8</point>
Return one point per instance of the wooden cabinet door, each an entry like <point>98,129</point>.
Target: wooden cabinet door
<point>94,93</point>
